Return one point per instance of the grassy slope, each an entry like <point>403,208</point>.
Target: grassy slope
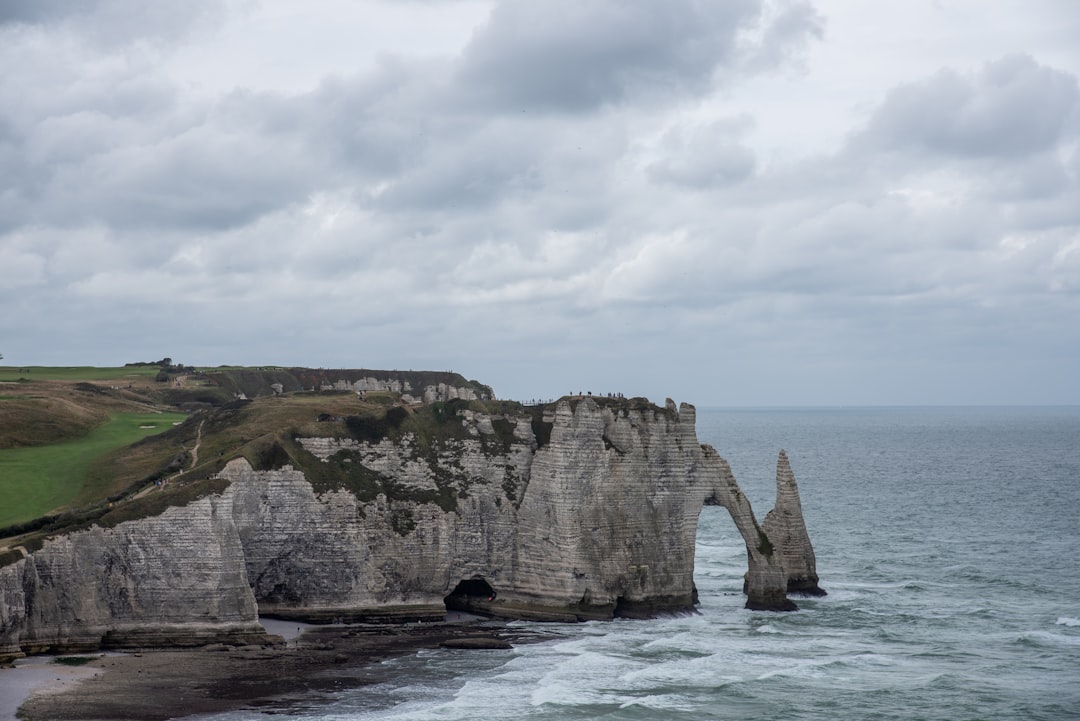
<point>76,373</point>
<point>37,419</point>
<point>36,480</point>
<point>103,483</point>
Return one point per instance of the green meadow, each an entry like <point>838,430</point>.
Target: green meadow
<point>35,481</point>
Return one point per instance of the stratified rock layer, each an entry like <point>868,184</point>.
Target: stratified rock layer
<point>175,579</point>
<point>786,528</point>
<point>587,513</point>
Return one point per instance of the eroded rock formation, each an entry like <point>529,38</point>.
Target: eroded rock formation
<point>786,528</point>
<point>586,511</point>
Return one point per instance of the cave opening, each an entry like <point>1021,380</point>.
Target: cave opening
<point>472,595</point>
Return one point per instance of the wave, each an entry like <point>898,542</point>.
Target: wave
<point>968,574</point>
<point>687,677</point>
<point>1067,621</point>
<point>660,702</point>
<point>1045,638</point>
<point>907,584</point>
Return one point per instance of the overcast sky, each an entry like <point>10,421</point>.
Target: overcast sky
<point>735,202</point>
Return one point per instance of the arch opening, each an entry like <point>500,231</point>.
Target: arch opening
<point>471,595</point>
<point>721,559</point>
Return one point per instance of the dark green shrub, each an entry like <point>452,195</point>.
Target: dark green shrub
<point>396,416</point>
<point>367,428</point>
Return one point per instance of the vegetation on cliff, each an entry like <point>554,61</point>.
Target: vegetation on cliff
<point>104,445</point>
<point>93,427</point>
<point>326,501</point>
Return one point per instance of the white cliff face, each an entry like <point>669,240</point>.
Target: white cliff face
<point>590,514</point>
<point>333,555</point>
<point>609,518</point>
<point>175,578</point>
<point>330,555</point>
<point>439,392</point>
<point>445,392</point>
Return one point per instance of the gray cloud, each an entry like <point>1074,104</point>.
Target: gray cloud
<point>122,151</point>
<point>783,34</point>
<point>572,56</point>
<point>38,11</point>
<point>703,157</point>
<point>1012,106</point>
<point>199,176</point>
<point>116,22</point>
<point>480,168</point>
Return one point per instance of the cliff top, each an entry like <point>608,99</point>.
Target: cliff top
<point>73,438</point>
<point>254,413</point>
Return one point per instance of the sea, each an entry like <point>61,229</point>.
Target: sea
<point>948,540</point>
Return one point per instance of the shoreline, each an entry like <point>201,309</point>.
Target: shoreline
<point>36,675</point>
<point>161,684</point>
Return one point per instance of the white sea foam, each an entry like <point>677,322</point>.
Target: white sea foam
<point>562,694</point>
<point>798,669</point>
<point>673,672</point>
<point>1045,637</point>
<point>1067,621</point>
<point>659,702</point>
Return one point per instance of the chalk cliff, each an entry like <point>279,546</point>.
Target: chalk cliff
<point>586,509</point>
<point>174,579</point>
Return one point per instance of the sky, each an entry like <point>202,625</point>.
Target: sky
<point>729,203</point>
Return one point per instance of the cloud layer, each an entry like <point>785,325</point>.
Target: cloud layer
<point>582,194</point>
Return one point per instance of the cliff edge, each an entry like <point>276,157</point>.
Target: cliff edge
<point>582,509</point>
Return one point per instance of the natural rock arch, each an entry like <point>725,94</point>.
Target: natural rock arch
<point>780,558</point>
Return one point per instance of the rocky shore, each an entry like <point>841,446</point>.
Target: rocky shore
<point>155,685</point>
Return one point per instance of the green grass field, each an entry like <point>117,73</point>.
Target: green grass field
<point>34,481</point>
<point>75,373</point>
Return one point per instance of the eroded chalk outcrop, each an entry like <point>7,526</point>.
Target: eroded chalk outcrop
<point>786,529</point>
<point>586,511</point>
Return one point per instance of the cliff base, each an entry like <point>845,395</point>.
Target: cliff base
<point>214,680</point>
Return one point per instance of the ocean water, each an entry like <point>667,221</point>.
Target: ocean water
<point>948,540</point>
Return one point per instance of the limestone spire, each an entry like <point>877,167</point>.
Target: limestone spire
<point>786,529</point>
